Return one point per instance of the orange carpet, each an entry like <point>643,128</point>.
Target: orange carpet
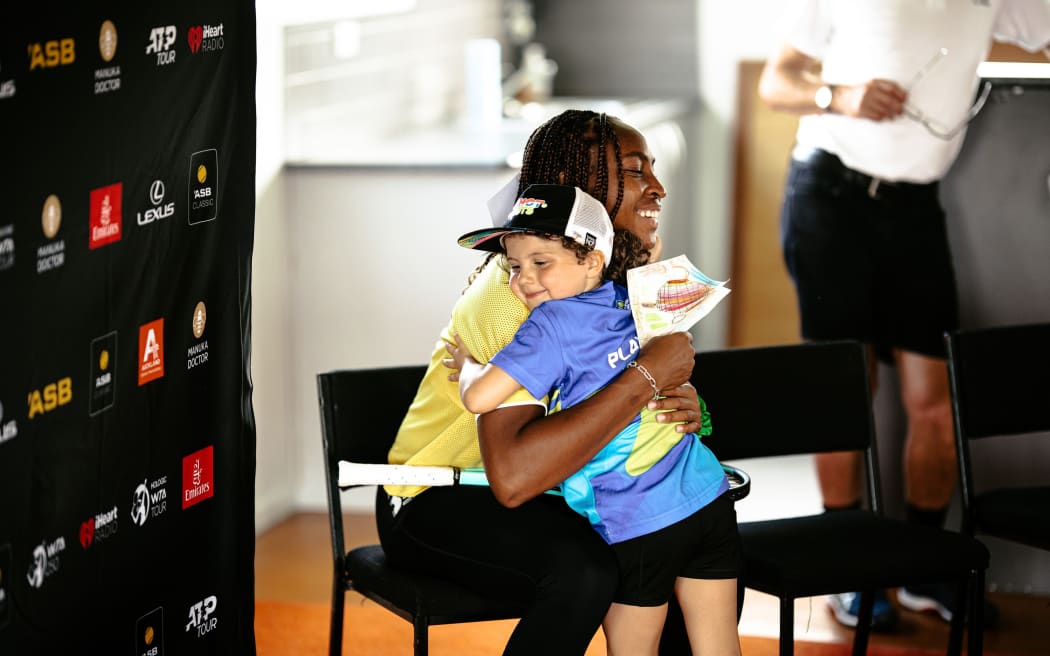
<point>294,629</point>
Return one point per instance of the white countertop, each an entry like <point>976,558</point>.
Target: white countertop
<point>460,146</point>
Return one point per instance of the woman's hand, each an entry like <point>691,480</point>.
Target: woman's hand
<point>670,359</point>
<point>679,404</point>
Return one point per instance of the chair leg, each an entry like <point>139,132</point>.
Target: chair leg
<point>962,609</point>
<point>976,629</point>
<point>335,630</point>
<point>420,628</point>
<point>787,626</point>
<point>863,630</point>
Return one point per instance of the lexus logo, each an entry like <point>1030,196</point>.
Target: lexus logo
<point>156,192</point>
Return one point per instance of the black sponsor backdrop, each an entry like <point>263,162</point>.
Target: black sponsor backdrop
<point>97,553</point>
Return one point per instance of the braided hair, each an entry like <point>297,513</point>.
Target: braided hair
<point>570,149</point>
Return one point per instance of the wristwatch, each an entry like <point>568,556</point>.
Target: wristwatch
<point>823,97</point>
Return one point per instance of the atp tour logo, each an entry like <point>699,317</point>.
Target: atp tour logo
<point>149,633</point>
<point>151,351</point>
<point>161,39</point>
<point>149,500</point>
<point>204,186</point>
<point>105,215</point>
<point>198,477</point>
<point>202,618</point>
<point>160,209</point>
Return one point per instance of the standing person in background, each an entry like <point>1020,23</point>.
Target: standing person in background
<point>511,540</point>
<point>886,88</point>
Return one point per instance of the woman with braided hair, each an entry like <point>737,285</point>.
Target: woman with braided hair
<point>511,540</point>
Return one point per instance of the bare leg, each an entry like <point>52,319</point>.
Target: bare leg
<point>635,630</point>
<point>839,473</point>
<point>709,608</point>
<point>929,447</point>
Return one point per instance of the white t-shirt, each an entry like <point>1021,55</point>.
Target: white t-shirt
<point>929,47</point>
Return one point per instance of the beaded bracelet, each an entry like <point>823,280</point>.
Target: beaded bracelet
<point>648,377</point>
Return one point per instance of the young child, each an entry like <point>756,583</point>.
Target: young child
<point>656,496</point>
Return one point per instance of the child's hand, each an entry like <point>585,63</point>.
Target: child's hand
<point>458,354</point>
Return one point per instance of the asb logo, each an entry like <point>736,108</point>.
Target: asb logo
<point>149,633</point>
<point>198,477</point>
<point>204,186</point>
<point>151,351</point>
<point>50,54</point>
<point>105,215</point>
<point>52,396</point>
<point>103,392</point>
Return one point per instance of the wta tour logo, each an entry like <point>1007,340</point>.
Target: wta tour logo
<point>204,186</point>
<point>149,500</point>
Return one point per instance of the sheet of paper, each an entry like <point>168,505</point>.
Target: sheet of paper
<point>670,296</point>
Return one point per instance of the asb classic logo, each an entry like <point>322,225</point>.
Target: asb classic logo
<point>103,390</point>
<point>151,351</point>
<point>204,186</point>
<point>149,633</point>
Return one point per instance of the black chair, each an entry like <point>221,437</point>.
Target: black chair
<point>1000,386</point>
<point>811,398</point>
<point>361,411</point>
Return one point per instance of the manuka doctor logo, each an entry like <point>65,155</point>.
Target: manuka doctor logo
<point>105,215</point>
<point>160,209</point>
<point>107,78</point>
<point>197,354</point>
<point>149,633</point>
<point>52,254</point>
<point>204,186</point>
<point>149,500</point>
<point>45,561</point>
<point>198,477</point>
<point>103,392</point>
<point>8,429</point>
<point>161,39</point>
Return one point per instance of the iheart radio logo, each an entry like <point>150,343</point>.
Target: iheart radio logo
<point>87,533</point>
<point>195,35</point>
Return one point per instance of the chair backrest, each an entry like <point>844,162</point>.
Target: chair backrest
<point>361,412</point>
<point>1000,380</point>
<point>812,397</point>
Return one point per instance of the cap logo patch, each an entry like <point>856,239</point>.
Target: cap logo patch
<point>590,240</point>
<point>528,205</point>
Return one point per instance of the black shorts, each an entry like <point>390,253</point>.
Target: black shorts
<point>705,545</point>
<point>869,262</point>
